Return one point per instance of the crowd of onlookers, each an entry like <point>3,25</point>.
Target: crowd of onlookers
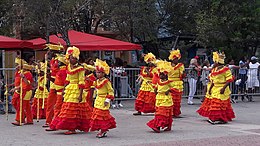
<point>246,75</point>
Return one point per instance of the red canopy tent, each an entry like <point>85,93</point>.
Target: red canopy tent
<point>37,43</point>
<point>89,42</point>
<point>11,43</point>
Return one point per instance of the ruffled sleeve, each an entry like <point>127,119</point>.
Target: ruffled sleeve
<point>229,76</point>
<point>67,80</point>
<point>110,91</point>
<point>82,79</point>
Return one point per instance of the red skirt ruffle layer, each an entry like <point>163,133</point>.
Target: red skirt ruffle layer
<point>176,98</point>
<point>145,102</point>
<point>42,112</point>
<point>163,118</point>
<point>216,110</point>
<point>102,120</point>
<point>73,116</point>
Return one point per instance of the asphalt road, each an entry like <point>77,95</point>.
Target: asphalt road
<point>191,129</point>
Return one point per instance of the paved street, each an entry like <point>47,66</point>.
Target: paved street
<point>132,130</point>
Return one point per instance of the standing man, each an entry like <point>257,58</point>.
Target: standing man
<point>252,74</point>
<point>242,75</point>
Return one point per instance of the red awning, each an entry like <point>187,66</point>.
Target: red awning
<point>37,43</point>
<point>89,42</point>
<point>12,43</point>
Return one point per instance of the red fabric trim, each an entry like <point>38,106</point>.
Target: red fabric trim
<point>177,66</point>
<point>74,71</point>
<point>163,83</point>
<point>144,74</point>
<point>66,82</point>
<point>223,70</point>
<point>81,86</point>
<point>102,84</point>
<point>231,80</point>
<point>110,97</point>
<point>92,77</point>
<point>173,90</point>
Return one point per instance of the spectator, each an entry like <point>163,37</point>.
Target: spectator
<point>194,68</point>
<point>252,74</point>
<point>126,65</point>
<point>242,75</point>
<point>118,71</point>
<point>204,76</point>
<point>234,89</point>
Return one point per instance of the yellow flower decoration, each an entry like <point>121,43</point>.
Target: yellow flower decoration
<point>74,51</point>
<point>219,57</point>
<point>102,66</point>
<point>27,66</point>
<point>163,66</point>
<point>88,67</point>
<point>62,58</point>
<point>54,47</point>
<point>19,61</point>
<point>149,58</point>
<point>175,54</point>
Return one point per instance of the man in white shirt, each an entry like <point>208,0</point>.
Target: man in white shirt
<point>252,74</point>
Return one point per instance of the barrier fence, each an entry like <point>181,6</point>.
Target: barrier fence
<point>126,85</point>
<point>242,87</point>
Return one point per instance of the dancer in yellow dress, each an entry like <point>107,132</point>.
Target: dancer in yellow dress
<point>39,95</point>
<point>164,103</point>
<point>75,113</point>
<point>101,118</point>
<point>176,74</point>
<point>145,101</point>
<point>217,106</point>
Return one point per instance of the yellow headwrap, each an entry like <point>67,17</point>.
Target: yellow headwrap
<point>149,58</point>
<point>74,51</point>
<point>62,58</point>
<point>219,57</point>
<point>19,61</point>
<point>54,47</point>
<point>27,66</point>
<point>175,54</point>
<point>102,66</point>
<point>40,67</point>
<point>164,66</point>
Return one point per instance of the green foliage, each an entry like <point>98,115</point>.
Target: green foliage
<point>230,25</point>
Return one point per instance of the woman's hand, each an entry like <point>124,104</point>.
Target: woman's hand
<point>209,91</point>
<point>222,90</point>
<point>80,98</point>
<point>167,92</point>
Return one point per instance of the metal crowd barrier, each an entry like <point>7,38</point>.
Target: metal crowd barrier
<point>129,87</point>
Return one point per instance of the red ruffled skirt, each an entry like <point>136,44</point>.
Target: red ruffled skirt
<point>102,120</point>
<point>73,116</point>
<point>42,112</point>
<point>145,102</point>
<point>176,98</point>
<point>217,110</point>
<point>163,118</point>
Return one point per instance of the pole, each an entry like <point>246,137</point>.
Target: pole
<point>6,95</point>
<point>45,79</point>
<point>38,100</point>
<point>21,91</point>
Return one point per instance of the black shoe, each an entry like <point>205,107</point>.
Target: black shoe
<point>2,112</point>
<point>211,122</point>
<point>221,122</point>
<point>11,112</point>
<point>242,98</point>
